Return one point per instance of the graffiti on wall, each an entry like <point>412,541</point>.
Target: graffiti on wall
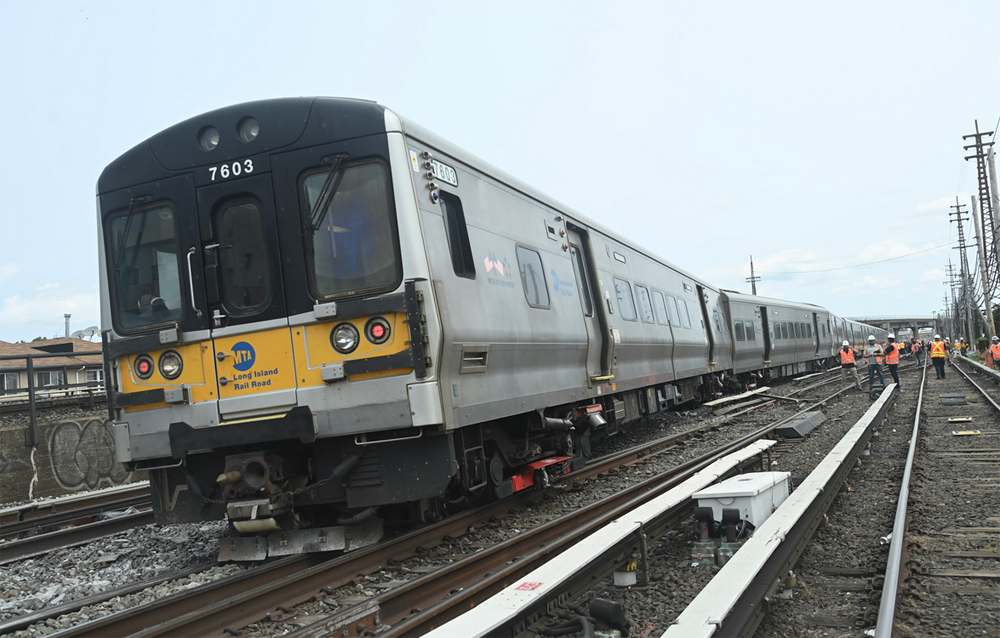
<point>84,455</point>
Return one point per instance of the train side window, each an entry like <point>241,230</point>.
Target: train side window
<point>645,306</point>
<point>784,330</point>
<point>582,283</point>
<point>661,308</point>
<point>809,329</point>
<point>682,310</point>
<point>751,334</point>
<point>738,331</point>
<point>717,320</point>
<point>672,307</point>
<point>244,265</point>
<point>458,236</point>
<point>795,330</point>
<point>533,277</point>
<point>625,302</point>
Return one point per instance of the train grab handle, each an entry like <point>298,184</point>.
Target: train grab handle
<point>194,304</point>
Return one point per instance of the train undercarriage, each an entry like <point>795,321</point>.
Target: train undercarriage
<point>295,495</point>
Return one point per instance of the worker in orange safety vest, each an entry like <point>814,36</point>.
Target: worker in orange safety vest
<point>873,357</point>
<point>918,352</point>
<point>847,365</point>
<point>892,357</point>
<point>938,355</point>
<point>994,353</point>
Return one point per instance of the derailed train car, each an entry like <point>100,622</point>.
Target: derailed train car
<point>320,318</point>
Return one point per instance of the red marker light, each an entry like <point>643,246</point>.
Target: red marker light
<point>378,331</point>
<point>143,367</point>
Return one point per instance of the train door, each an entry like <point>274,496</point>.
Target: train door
<point>251,339</point>
<point>707,320</point>
<point>599,347</point>
<point>815,330</point>
<point>765,326</point>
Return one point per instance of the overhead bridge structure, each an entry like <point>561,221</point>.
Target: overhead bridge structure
<point>897,323</point>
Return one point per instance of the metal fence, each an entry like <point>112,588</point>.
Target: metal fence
<point>33,395</point>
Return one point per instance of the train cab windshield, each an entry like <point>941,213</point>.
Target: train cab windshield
<point>351,247</point>
<point>147,283</point>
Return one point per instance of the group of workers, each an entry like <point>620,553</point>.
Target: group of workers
<point>875,352</point>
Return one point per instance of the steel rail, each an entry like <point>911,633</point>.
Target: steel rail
<point>884,624</point>
<point>72,536</point>
<point>735,601</point>
<point>887,606</point>
<point>18,623</point>
<point>37,509</point>
<point>59,518</point>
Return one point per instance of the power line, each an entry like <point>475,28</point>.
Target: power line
<point>869,263</point>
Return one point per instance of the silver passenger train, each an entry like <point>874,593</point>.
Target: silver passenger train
<point>321,319</point>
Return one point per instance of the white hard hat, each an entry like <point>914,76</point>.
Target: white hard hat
<point>891,336</point>
<point>995,339</point>
<point>871,337</point>
<point>937,336</point>
<point>847,344</point>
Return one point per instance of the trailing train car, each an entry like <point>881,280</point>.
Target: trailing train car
<point>320,318</point>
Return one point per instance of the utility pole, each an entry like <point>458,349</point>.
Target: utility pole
<point>954,323</point>
<point>752,279</point>
<point>987,298</point>
<point>986,209</point>
<point>963,268</point>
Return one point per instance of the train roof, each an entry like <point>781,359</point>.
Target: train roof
<point>422,134</point>
<point>771,301</point>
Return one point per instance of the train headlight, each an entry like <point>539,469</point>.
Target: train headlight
<point>248,129</point>
<point>344,338</point>
<point>377,330</point>
<point>144,366</point>
<point>171,364</point>
<point>208,138</point>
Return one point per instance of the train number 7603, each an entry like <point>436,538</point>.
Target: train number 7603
<point>225,171</point>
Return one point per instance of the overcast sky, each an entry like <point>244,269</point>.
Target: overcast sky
<point>813,135</point>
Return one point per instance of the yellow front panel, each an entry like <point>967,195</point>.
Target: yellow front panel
<point>198,366</point>
<point>313,348</point>
<point>254,363</point>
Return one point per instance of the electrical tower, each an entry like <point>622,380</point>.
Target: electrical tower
<point>752,278</point>
<point>990,223</point>
<point>964,285</point>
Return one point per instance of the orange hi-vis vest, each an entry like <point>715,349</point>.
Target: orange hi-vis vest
<point>916,346</point>
<point>892,358</point>
<point>937,349</point>
<point>846,356</point>
<point>870,351</point>
<point>995,351</point>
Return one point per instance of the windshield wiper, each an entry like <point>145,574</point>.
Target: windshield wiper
<point>128,224</point>
<point>330,186</point>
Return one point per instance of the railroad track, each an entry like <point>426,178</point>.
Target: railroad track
<point>41,527</point>
<point>272,591</point>
<point>943,559</point>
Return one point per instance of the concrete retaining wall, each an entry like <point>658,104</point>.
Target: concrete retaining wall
<point>72,455</point>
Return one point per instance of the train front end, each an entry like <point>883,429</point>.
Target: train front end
<point>268,326</point>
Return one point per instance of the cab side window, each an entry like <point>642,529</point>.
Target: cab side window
<point>536,291</point>
<point>458,236</point>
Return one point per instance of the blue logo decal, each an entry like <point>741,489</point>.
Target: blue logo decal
<point>244,356</point>
<point>563,287</point>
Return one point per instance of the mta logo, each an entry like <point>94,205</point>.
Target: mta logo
<point>243,356</point>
